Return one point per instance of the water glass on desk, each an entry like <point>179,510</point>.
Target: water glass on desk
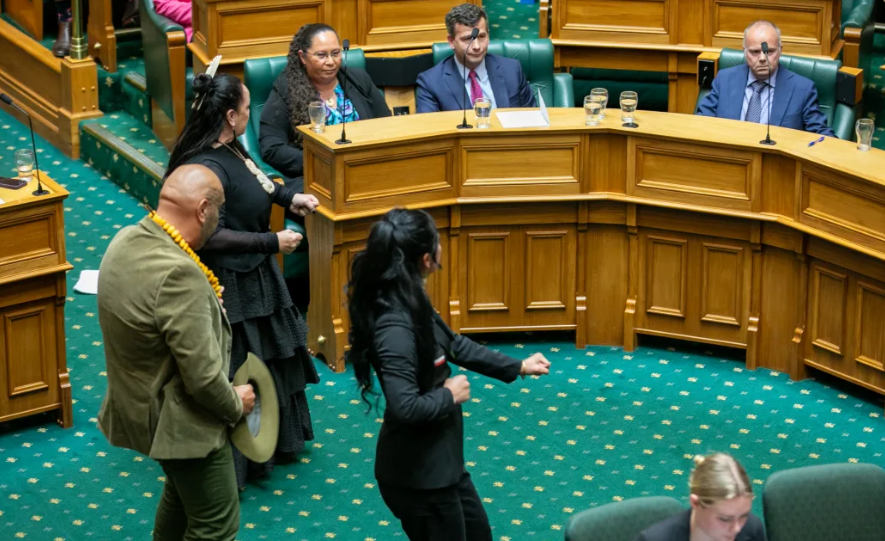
<point>483,109</point>
<point>317,116</point>
<point>24,163</point>
<point>592,111</point>
<point>629,102</point>
<point>600,95</point>
<point>864,129</point>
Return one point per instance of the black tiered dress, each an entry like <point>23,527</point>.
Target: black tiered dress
<point>263,319</point>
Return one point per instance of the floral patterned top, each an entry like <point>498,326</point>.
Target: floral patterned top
<point>333,115</point>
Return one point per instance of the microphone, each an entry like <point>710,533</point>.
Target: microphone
<point>464,125</point>
<point>767,140</point>
<point>344,140</point>
<point>8,101</point>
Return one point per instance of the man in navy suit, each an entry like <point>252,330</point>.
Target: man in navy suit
<point>501,80</point>
<point>744,92</point>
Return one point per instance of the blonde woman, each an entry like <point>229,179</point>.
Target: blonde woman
<point>721,498</point>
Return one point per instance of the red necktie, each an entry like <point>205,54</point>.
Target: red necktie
<point>475,89</point>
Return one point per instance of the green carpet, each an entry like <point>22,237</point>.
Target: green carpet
<point>604,426</point>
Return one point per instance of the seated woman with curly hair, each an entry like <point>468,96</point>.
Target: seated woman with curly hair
<point>312,74</point>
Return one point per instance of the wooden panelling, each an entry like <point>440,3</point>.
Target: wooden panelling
<point>646,21</point>
<point>666,270</point>
<point>502,166</point>
<point>780,188</point>
<point>869,336</point>
<point>677,171</point>
<point>606,163</point>
<point>827,302</point>
<point>690,21</point>
<point>782,311</point>
<point>800,23</point>
<point>319,171</point>
<point>548,264</point>
<point>402,21</point>
<point>488,269</point>
<point>26,330</point>
<point>606,286</point>
<point>264,27</point>
<point>723,280</point>
<point>849,209</point>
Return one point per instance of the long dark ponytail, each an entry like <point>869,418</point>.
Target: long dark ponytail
<point>385,276</point>
<point>215,96</point>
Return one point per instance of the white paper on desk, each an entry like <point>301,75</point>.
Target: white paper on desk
<point>526,119</point>
<point>88,282</point>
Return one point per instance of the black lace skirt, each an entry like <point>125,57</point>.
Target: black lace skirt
<point>265,322</point>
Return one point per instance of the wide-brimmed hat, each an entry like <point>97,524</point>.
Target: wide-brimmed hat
<point>255,435</point>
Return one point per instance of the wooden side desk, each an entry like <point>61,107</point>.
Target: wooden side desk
<point>33,372</point>
<point>685,228</point>
<point>668,35</point>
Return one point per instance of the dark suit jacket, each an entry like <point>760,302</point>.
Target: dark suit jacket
<point>795,100</point>
<point>421,444</point>
<point>276,136</point>
<point>678,528</point>
<point>441,88</point>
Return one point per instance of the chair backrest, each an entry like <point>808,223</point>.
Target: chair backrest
<point>156,55</point>
<point>822,72</point>
<point>620,521</point>
<point>826,502</point>
<point>259,75</point>
<point>535,56</point>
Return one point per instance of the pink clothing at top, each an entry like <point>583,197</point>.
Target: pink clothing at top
<point>178,11</point>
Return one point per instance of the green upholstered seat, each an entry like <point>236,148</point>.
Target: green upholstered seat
<point>536,58</point>
<point>259,75</point>
<point>840,116</point>
<point>159,57</point>
<point>826,503</point>
<point>858,14</point>
<point>652,87</point>
<point>620,521</point>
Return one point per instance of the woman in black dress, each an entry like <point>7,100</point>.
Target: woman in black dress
<point>313,73</point>
<point>241,253</point>
<point>394,330</point>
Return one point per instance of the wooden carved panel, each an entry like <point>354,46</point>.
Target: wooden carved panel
<point>507,165</point>
<point>318,169</point>
<point>547,265</point>
<point>378,179</point>
<point>690,174</point>
<point>829,291</point>
<point>263,27</point>
<point>383,22</point>
<point>488,271</point>
<point>844,207</point>
<point>801,23</point>
<point>870,326</point>
<point>646,21</point>
<point>667,273</point>
<point>722,290</point>
<point>25,333</point>
<point>27,238</point>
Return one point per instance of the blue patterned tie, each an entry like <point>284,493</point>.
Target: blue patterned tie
<point>754,109</point>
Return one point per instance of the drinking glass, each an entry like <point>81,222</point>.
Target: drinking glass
<point>629,101</point>
<point>600,95</point>
<point>592,111</point>
<point>864,129</point>
<point>317,116</point>
<point>24,162</point>
<point>483,109</point>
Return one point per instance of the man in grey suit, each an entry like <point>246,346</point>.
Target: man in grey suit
<point>167,347</point>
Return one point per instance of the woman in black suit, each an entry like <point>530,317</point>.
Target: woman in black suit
<point>312,74</point>
<point>721,499</point>
<point>394,330</point>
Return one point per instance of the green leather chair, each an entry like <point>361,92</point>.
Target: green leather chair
<point>858,31</point>
<point>169,80</point>
<point>840,116</point>
<point>536,57</point>
<point>620,521</point>
<point>259,75</point>
<point>825,503</point>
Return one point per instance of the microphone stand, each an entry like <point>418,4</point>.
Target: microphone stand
<point>464,125</point>
<point>39,191</point>
<point>768,140</point>
<point>344,140</point>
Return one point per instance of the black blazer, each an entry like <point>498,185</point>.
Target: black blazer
<point>421,444</point>
<point>276,136</point>
<point>678,528</point>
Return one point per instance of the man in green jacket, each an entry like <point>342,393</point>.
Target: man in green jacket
<point>167,347</point>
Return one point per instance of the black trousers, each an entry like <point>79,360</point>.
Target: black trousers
<point>453,513</point>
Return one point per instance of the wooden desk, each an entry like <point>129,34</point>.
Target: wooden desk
<point>685,228</point>
<point>33,372</point>
<point>668,35</point>
<point>241,29</point>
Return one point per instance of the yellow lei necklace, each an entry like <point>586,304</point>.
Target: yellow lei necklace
<point>176,236</point>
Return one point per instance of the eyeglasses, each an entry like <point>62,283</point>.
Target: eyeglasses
<point>322,56</point>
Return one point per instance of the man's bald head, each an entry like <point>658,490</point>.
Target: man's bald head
<point>190,198</point>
